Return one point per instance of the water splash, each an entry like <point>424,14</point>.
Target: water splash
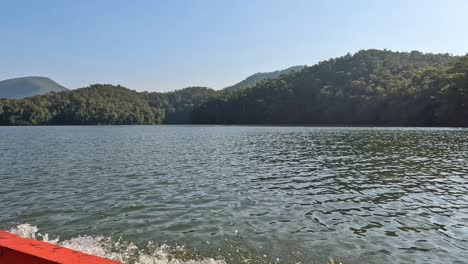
<point>126,252</point>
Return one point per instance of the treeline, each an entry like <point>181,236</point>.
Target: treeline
<point>371,87</point>
<point>102,104</point>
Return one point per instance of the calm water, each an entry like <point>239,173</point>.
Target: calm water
<point>293,194</point>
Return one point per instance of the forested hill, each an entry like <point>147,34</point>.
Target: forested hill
<point>371,87</point>
<point>262,76</point>
<point>103,104</point>
<point>28,86</point>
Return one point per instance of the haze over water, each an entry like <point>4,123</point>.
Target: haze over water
<point>236,193</point>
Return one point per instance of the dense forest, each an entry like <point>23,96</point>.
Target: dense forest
<point>103,104</point>
<point>371,87</point>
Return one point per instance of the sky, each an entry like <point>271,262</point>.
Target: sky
<point>163,45</point>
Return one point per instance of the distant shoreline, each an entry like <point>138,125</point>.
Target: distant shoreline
<point>368,88</point>
<point>241,125</point>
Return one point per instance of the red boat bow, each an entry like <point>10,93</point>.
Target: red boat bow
<point>15,249</point>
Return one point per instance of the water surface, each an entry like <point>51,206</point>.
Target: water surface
<point>272,194</point>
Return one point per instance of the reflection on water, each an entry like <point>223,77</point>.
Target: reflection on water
<point>294,194</point>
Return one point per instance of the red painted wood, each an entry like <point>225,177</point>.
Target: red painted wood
<point>15,249</point>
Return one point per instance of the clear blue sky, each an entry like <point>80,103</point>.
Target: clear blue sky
<point>170,44</point>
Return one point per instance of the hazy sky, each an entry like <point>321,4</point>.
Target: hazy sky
<point>165,45</point>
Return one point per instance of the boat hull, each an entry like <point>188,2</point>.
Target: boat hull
<point>15,249</point>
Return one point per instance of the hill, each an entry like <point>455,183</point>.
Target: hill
<point>261,76</point>
<point>28,86</point>
<point>368,88</point>
<point>104,104</point>
<point>371,87</point>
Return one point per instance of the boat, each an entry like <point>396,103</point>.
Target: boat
<point>17,250</point>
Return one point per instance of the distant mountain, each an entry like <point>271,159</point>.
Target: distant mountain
<point>262,76</point>
<point>18,88</point>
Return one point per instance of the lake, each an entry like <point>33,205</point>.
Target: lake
<point>240,194</point>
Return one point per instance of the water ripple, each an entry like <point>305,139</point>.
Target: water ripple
<point>366,195</point>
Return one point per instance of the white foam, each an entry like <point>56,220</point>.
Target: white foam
<point>115,250</point>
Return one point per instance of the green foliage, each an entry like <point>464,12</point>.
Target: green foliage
<point>97,104</point>
<point>371,87</point>
<point>104,105</point>
<point>178,105</point>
